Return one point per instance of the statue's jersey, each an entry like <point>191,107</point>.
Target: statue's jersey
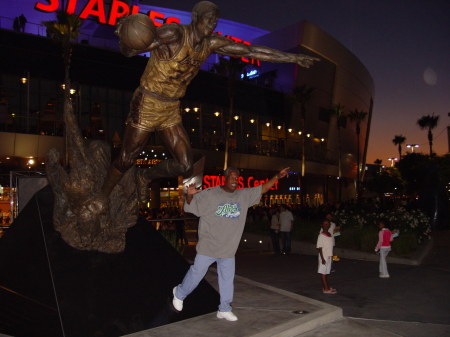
<point>170,77</point>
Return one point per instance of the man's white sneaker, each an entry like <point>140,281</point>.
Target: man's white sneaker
<point>177,304</point>
<point>228,315</point>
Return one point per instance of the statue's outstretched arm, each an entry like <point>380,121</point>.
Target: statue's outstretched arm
<point>230,48</point>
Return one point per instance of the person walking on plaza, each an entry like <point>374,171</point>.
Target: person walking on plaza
<point>222,211</point>
<point>286,228</point>
<point>275,231</point>
<point>332,229</point>
<point>325,246</point>
<point>384,246</point>
<point>180,228</point>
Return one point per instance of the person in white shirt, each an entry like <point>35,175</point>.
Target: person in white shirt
<point>325,248</point>
<point>222,211</point>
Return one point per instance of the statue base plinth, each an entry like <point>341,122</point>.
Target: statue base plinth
<point>49,288</point>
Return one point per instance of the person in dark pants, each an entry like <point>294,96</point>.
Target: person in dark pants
<point>180,230</point>
<point>275,232</point>
<point>286,227</point>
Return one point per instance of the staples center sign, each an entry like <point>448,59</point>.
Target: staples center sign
<point>211,181</point>
<point>96,8</point>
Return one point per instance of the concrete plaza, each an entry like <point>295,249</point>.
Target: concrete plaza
<point>270,289</point>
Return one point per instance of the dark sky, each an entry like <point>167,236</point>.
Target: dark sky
<point>405,45</point>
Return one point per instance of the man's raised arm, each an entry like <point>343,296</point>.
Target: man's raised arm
<point>268,184</point>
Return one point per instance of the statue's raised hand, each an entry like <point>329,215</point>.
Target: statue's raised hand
<point>119,25</point>
<point>305,60</point>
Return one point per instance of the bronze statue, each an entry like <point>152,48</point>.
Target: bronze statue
<point>95,203</point>
<point>104,232</point>
<point>177,53</point>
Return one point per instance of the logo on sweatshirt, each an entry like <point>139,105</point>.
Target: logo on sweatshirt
<point>228,211</point>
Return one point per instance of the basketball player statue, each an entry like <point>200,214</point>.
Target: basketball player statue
<point>177,52</point>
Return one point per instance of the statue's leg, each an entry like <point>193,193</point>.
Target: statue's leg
<point>177,143</point>
<point>133,143</point>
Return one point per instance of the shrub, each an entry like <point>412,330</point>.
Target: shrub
<point>359,229</point>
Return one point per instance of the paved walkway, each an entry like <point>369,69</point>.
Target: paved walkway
<point>414,302</point>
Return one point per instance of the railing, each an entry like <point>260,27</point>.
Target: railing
<point>41,30</point>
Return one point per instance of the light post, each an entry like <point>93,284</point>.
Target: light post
<point>412,146</point>
<point>253,121</point>
<point>26,80</point>
<point>236,118</point>
<point>392,160</point>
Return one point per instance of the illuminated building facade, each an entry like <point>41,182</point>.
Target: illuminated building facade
<point>266,124</point>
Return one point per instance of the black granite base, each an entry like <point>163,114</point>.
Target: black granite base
<point>48,288</point>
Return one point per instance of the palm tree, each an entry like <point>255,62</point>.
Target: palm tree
<point>429,122</point>
<point>232,68</point>
<point>64,30</point>
<point>399,140</point>
<point>338,111</point>
<point>378,162</point>
<point>302,94</point>
<point>357,117</point>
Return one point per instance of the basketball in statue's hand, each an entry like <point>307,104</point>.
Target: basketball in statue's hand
<point>137,31</point>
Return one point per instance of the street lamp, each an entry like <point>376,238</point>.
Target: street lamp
<point>257,128</point>
<point>412,146</point>
<point>26,80</point>
<point>392,160</point>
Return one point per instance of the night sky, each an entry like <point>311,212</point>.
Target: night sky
<point>405,45</point>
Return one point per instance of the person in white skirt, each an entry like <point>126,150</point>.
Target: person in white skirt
<point>325,244</point>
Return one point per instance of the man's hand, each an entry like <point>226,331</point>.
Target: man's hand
<point>191,189</point>
<point>305,60</point>
<point>283,173</point>
<point>323,261</point>
<point>268,184</point>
